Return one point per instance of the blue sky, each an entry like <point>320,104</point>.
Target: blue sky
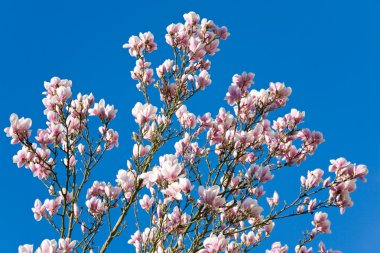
<point>327,51</point>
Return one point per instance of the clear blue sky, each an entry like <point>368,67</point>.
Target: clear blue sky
<point>327,51</point>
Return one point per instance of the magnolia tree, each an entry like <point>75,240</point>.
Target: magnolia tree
<point>207,196</point>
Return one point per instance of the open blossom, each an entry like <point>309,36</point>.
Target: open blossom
<point>215,244</point>
<point>66,245</point>
<point>140,150</point>
<point>243,81</point>
<point>233,95</point>
<point>314,178</point>
<point>52,205</point>
<point>144,113</point>
<point>136,239</point>
<point>322,249</point>
<point>321,223</point>
<point>145,202</point>
<point>196,48</point>
<point>66,195</point>
<point>263,174</point>
<point>251,208</point>
<point>135,45</point>
<point>126,180</point>
<point>38,210</point>
<point>26,248</point>
<point>361,171</point>
<point>47,246</point>
<point>97,189</point>
<point>95,206</point>
<point>273,201</point>
<point>303,249</point>
<point>165,67</point>
<point>170,168</point>
<point>277,248</point>
<point>186,118</point>
<point>112,139</point>
<point>19,129</point>
<point>147,39</point>
<point>191,18</point>
<point>248,239</point>
<point>203,80</point>
<point>112,192</point>
<point>172,192</point>
<point>103,111</point>
<point>185,185</point>
<point>209,196</point>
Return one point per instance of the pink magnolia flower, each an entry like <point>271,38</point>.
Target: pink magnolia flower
<point>277,248</point>
<point>215,244</point>
<point>269,227</point>
<point>322,249</point>
<point>243,81</point>
<point>314,178</point>
<point>23,157</point>
<point>191,18</point>
<point>76,210</point>
<point>166,67</point>
<point>66,245</point>
<point>135,45</point>
<point>112,192</point>
<point>136,239</point>
<point>248,239</point>
<point>52,205</point>
<point>146,202</point>
<point>97,189</point>
<point>338,165</point>
<point>26,248</point>
<point>263,174</point>
<point>233,95</point>
<point>186,118</point>
<point>172,192</point>
<point>273,201</point>
<point>303,249</point>
<point>251,208</point>
<point>209,196</point>
<point>144,113</point>
<point>81,148</point>
<point>44,137</point>
<point>112,139</point>
<point>203,80</point>
<point>19,129</point>
<point>103,111</point>
<point>126,180</point>
<point>361,171</point>
<point>170,169</point>
<point>321,223</point>
<point>63,93</point>
<point>185,185</point>
<point>47,246</point>
<point>95,206</point>
<point>311,206</point>
<point>212,47</point>
<point>222,32</point>
<point>197,49</point>
<point>140,150</point>
<point>66,195</point>
<point>147,39</point>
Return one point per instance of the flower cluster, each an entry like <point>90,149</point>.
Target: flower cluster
<point>210,194</point>
<point>64,246</point>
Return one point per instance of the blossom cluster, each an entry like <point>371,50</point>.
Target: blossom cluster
<point>211,194</point>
